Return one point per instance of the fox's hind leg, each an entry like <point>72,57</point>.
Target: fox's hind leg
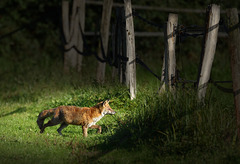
<point>63,125</point>
<point>52,122</point>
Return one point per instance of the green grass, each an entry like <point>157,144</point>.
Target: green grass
<point>151,128</point>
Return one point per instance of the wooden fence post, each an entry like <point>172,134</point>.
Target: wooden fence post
<point>80,40</point>
<point>66,32</point>
<point>209,50</point>
<point>130,45</point>
<point>171,63</point>
<point>104,32</point>
<point>173,22</point>
<point>71,34</point>
<point>234,47</point>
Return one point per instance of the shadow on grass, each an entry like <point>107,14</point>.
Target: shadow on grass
<point>158,123</point>
<point>18,110</point>
<point>127,136</point>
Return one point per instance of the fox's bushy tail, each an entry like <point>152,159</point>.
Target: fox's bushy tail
<point>43,115</point>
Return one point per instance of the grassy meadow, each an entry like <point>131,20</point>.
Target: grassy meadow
<point>151,128</point>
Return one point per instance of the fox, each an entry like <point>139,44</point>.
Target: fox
<point>87,117</point>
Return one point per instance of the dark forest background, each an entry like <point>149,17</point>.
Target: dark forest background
<point>39,39</point>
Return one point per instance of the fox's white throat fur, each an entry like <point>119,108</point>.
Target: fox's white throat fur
<point>95,120</point>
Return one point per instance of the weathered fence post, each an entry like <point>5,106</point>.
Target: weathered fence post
<point>72,33</point>
<point>104,32</point>
<point>66,31</point>
<point>130,45</point>
<point>169,55</point>
<point>234,47</point>
<point>173,22</point>
<point>80,40</point>
<point>209,50</point>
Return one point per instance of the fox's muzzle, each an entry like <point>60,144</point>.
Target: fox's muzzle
<point>110,111</point>
<point>113,112</point>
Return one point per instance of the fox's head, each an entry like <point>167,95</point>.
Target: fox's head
<point>106,108</point>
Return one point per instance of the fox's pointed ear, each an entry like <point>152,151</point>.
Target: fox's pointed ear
<point>105,102</point>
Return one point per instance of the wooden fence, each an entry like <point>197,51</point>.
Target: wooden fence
<point>72,35</point>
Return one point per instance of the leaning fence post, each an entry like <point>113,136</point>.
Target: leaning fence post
<point>130,45</point>
<point>209,50</point>
<point>169,64</point>
<point>104,32</point>
<point>234,47</point>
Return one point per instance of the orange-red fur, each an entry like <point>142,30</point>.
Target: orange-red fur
<point>84,116</point>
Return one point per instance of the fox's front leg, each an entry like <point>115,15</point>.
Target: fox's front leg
<point>97,127</point>
<point>85,129</point>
